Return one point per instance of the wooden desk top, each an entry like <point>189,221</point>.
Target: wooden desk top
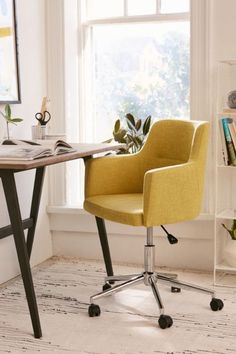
<point>82,150</point>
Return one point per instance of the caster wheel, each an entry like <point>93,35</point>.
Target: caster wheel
<point>106,286</point>
<point>216,304</point>
<point>94,310</point>
<point>174,289</point>
<point>165,321</point>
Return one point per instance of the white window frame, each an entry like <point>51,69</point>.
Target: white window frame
<point>88,129</point>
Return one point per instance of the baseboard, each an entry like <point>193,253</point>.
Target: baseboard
<point>188,253</point>
<point>74,233</point>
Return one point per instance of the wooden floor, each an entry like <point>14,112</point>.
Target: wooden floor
<point>128,323</point>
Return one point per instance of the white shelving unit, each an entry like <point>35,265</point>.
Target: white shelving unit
<point>225,180</point>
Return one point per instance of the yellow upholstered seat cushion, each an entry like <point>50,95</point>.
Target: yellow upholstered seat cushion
<point>122,208</point>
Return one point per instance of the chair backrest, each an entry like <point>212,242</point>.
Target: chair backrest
<point>169,143</point>
<point>174,142</point>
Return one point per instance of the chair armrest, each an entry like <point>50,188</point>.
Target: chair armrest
<point>112,175</point>
<point>172,194</point>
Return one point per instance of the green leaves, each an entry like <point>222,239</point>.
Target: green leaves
<point>13,120</point>
<point>146,125</point>
<point>120,136</point>
<point>133,135</point>
<point>232,230</point>
<point>7,115</point>
<point>130,121</point>
<point>138,124</point>
<point>117,126</point>
<point>7,111</point>
<point>8,118</point>
<point>16,120</point>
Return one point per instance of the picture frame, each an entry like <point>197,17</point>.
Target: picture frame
<point>9,66</point>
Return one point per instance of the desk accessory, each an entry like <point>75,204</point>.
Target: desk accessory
<point>43,117</point>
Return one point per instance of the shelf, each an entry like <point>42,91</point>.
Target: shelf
<point>224,166</point>
<point>224,276</point>
<point>226,214</point>
<point>227,114</point>
<point>224,267</point>
<point>225,179</point>
<point>228,62</point>
<point>224,285</point>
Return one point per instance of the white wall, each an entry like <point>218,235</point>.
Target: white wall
<point>32,63</point>
<point>223,30</point>
<point>222,27</point>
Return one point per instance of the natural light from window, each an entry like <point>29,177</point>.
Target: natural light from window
<point>142,69</point>
<point>139,7</point>
<point>174,6</point>
<point>97,9</point>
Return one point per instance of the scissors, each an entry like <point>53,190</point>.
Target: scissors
<point>43,118</point>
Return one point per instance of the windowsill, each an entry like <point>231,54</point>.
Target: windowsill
<point>66,209</point>
<point>78,209</point>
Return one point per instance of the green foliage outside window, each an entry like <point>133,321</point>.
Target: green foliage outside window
<point>156,81</point>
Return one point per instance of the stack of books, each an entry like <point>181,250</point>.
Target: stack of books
<point>228,140</point>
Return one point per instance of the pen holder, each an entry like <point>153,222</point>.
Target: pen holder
<point>38,132</point>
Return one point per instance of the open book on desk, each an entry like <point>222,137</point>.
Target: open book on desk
<point>32,149</point>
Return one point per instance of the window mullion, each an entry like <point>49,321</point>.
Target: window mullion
<point>140,19</point>
<point>125,8</point>
<point>158,7</point>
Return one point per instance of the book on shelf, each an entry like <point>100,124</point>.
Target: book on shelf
<point>32,149</point>
<point>232,130</point>
<point>227,124</point>
<point>224,150</point>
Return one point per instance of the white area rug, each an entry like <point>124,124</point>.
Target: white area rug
<point>128,323</point>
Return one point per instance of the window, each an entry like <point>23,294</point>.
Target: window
<point>170,6</point>
<point>134,57</point>
<point>137,60</point>
<point>139,68</point>
<point>87,118</point>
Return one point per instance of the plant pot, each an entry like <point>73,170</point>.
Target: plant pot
<point>230,253</point>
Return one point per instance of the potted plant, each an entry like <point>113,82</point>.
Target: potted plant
<point>8,118</point>
<point>230,247</point>
<point>132,134</point>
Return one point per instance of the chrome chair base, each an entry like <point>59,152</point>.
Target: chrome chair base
<point>150,278</point>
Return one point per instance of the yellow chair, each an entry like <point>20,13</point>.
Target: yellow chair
<point>161,184</point>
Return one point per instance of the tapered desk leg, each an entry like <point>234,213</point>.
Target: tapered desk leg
<point>105,246</point>
<point>10,191</point>
<point>37,191</point>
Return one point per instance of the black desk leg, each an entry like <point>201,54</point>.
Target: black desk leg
<point>105,245</point>
<point>38,184</point>
<point>10,191</point>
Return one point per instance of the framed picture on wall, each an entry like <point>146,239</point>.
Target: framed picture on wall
<point>9,70</point>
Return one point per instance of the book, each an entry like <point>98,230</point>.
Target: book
<point>229,142</point>
<point>231,125</point>
<point>32,149</point>
<point>225,155</point>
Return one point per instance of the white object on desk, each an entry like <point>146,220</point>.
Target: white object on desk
<point>38,132</point>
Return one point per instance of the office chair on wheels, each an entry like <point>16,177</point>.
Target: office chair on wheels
<point>161,184</point>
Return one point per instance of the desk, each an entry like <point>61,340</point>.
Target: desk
<point>17,226</point>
